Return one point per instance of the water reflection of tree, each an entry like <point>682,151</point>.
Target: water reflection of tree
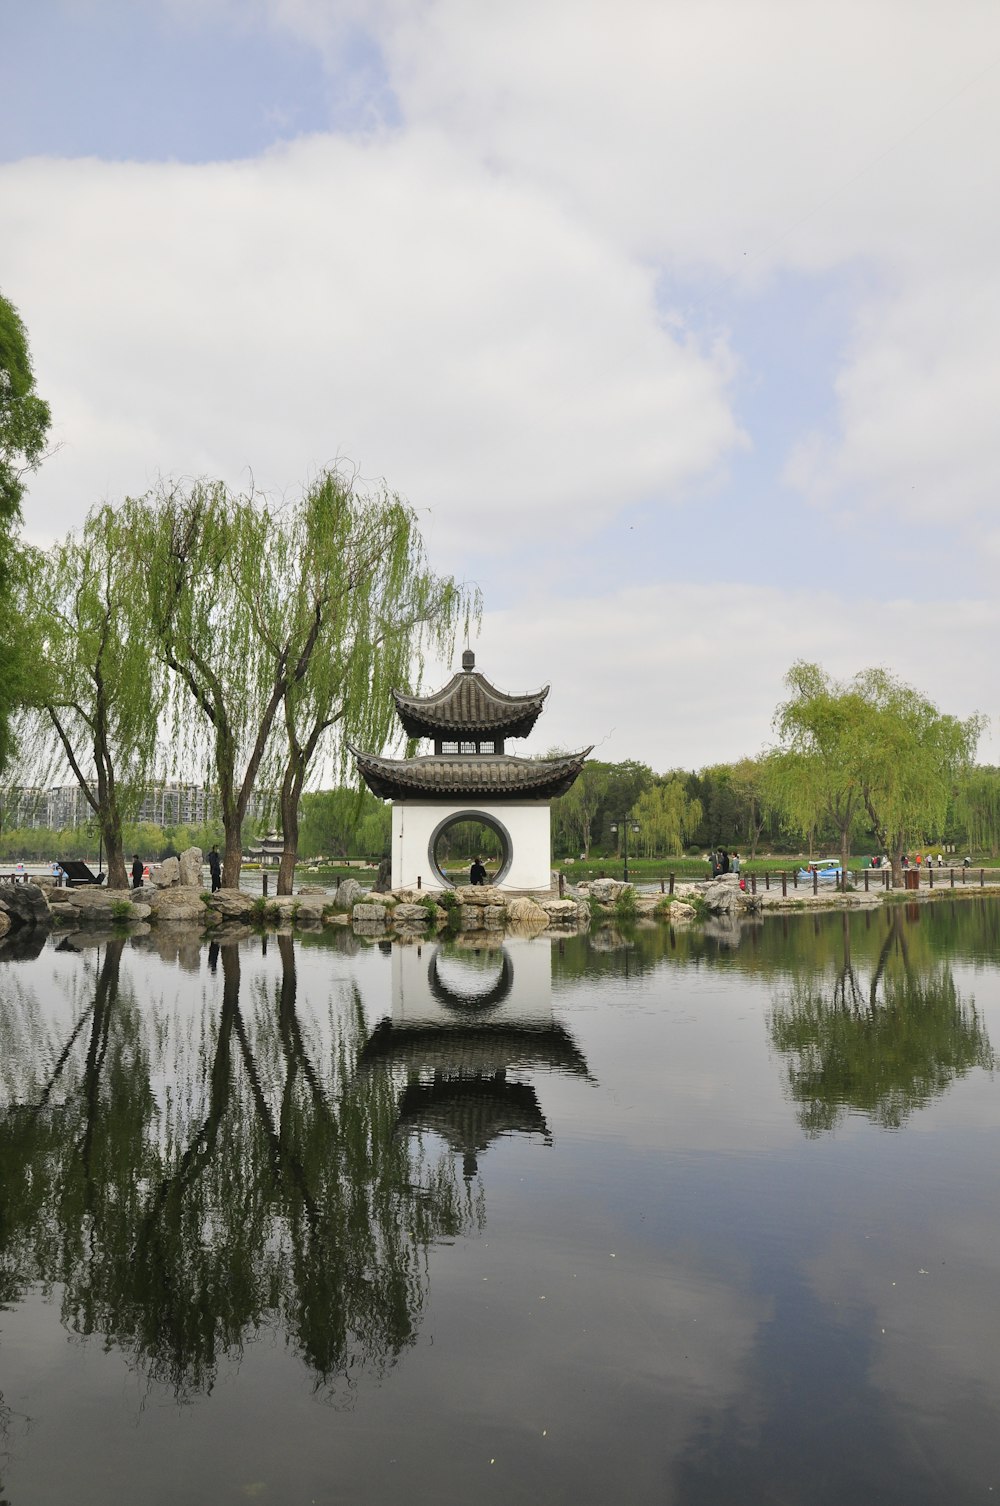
<point>882,1042</point>
<point>271,1189</point>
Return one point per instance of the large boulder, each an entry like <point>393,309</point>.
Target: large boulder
<point>369,914</point>
<point>349,891</point>
<point>232,904</point>
<point>526,912</point>
<point>561,911</point>
<point>167,873</point>
<point>26,906</point>
<point>479,894</point>
<point>723,896</point>
<point>606,890</point>
<point>4,922</point>
<point>410,913</point>
<point>191,866</point>
<point>177,904</point>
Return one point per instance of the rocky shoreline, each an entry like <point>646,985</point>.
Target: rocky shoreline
<point>177,898</point>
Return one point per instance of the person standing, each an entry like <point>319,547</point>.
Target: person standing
<point>477,873</point>
<point>736,864</point>
<point>136,871</point>
<point>215,869</point>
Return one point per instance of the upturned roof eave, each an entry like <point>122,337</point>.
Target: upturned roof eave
<point>439,715</point>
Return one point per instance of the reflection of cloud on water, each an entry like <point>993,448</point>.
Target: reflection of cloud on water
<point>622,1346</point>
<point>926,1300</point>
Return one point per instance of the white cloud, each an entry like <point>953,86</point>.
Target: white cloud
<point>748,139</point>
<point>389,301</point>
<point>681,676</point>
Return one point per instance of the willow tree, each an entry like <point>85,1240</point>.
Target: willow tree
<point>912,757</point>
<point>94,698</point>
<point>349,588</point>
<point>667,816</point>
<point>278,623</point>
<point>817,775</point>
<point>24,425</point>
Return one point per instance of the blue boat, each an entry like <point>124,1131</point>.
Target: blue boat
<point>824,874</point>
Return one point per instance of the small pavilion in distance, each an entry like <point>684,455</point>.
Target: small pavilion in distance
<point>470,777</point>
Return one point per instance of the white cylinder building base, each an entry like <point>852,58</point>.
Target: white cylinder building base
<point>524,829</point>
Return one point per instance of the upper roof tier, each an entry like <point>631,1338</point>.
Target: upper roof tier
<point>469,706</point>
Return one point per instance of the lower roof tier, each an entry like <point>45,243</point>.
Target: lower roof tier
<point>484,777</point>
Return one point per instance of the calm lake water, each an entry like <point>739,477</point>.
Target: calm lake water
<point>691,1218</point>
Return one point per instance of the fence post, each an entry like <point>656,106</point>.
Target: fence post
<point>795,878</point>
<point>753,883</point>
<point>264,878</point>
<point>866,880</point>
<point>951,872</point>
<point>420,881</point>
<point>672,877</point>
<point>815,881</point>
<point>767,879</point>
<point>982,877</point>
<point>931,872</point>
<point>784,884</point>
<point>562,884</point>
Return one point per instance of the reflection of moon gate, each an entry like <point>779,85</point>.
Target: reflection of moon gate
<point>470,777</point>
<point>471,1003</point>
<point>457,1051</point>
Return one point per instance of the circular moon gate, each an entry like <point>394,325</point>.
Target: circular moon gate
<point>457,819</point>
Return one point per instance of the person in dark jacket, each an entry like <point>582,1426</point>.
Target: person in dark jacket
<point>136,871</point>
<point>477,873</point>
<point>215,869</point>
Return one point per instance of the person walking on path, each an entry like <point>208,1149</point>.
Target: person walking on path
<point>136,871</point>
<point>215,869</point>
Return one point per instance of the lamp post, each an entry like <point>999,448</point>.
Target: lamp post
<point>625,824</point>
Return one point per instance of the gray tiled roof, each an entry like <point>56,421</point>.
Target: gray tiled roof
<point>444,776</point>
<point>469,705</point>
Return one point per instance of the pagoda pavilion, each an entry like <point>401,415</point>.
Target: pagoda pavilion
<point>470,777</point>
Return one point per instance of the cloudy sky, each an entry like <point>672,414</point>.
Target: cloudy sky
<point>678,321</point>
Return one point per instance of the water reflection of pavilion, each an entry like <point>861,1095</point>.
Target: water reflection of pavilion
<point>469,1027</point>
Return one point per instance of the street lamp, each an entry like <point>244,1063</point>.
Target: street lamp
<point>625,825</point>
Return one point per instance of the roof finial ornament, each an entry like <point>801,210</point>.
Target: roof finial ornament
<point>468,661</point>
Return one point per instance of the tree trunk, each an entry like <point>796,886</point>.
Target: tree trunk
<point>289,853</point>
<point>291,791</point>
<point>232,857</point>
<point>111,830</point>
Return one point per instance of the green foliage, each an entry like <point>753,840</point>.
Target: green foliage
<point>873,749</point>
<point>121,909</point>
<point>977,809</point>
<point>285,629</point>
<point>667,816</point>
<point>24,417</point>
<point>24,425</point>
<point>344,822</point>
<point>95,700</point>
<point>625,905</point>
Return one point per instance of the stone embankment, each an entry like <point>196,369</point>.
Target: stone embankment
<point>177,901</point>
